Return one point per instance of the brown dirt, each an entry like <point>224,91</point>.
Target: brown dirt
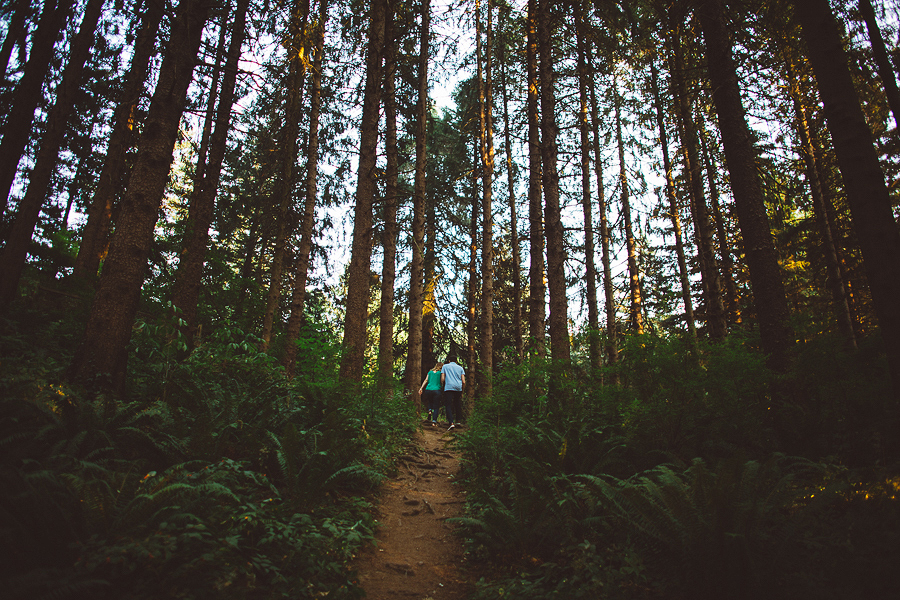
<point>417,555</point>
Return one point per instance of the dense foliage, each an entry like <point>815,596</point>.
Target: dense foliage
<point>688,482</point>
<point>216,477</point>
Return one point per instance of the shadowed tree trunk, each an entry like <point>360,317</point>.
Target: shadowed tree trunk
<point>612,345</point>
<point>868,196</point>
<point>879,53</point>
<point>537,290</point>
<point>674,212</point>
<point>95,237</point>
<point>359,270</point>
<point>486,143</point>
<point>293,110</point>
<point>417,268</point>
<point>635,312</point>
<point>307,220</point>
<point>740,158</point>
<point>14,30</point>
<point>188,278</point>
<point>556,250</point>
<point>103,347</point>
<point>12,260</point>
<point>590,276</point>
<point>27,95</point>
<point>472,288</point>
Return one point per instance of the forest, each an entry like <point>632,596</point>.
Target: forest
<point>660,236</point>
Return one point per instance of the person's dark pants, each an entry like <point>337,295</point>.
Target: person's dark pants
<point>432,401</point>
<point>452,398</point>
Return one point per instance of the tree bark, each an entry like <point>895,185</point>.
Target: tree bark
<point>486,144</point>
<point>14,30</point>
<point>417,268</point>
<point>590,277</point>
<point>674,212</point>
<point>556,250</point>
<point>293,110</point>
<point>354,340</point>
<point>101,358</point>
<point>879,52</point>
<point>307,221</point>
<point>12,261</point>
<point>472,287</point>
<point>635,312</point>
<point>95,237</point>
<point>513,217</point>
<point>706,257</point>
<point>868,196</point>
<point>188,278</point>
<point>27,95</point>
<point>612,345</point>
<point>537,290</point>
<point>740,158</point>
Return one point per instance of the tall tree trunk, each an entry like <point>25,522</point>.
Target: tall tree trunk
<point>472,287</point>
<point>486,139</point>
<point>103,347</point>
<point>12,261</point>
<point>635,312</point>
<point>590,277</point>
<point>732,297</point>
<point>716,324</point>
<point>14,31</point>
<point>354,340</point>
<point>95,237</point>
<point>27,96</point>
<point>674,212</point>
<point>833,273</point>
<point>307,220</point>
<point>868,196</point>
<point>429,297</point>
<point>740,158</point>
<point>556,249</point>
<point>537,290</point>
<point>518,334</point>
<point>294,109</point>
<point>612,345</point>
<point>417,268</point>
<point>879,52</point>
<point>390,230</point>
<point>188,278</point>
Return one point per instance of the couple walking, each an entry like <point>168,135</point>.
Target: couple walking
<point>449,377</point>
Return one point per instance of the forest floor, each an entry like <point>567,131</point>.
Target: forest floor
<point>417,555</point>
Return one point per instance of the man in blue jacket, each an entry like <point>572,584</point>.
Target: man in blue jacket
<point>453,379</point>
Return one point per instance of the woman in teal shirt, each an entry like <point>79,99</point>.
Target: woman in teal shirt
<point>430,391</point>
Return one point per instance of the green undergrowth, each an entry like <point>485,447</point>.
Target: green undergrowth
<point>689,478</point>
<point>215,478</point>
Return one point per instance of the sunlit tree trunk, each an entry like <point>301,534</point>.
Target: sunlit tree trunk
<point>12,259</point>
<point>556,250</point>
<point>27,95</point>
<point>95,236</point>
<point>288,152</point>
<point>870,202</point>
<point>354,340</point>
<point>417,267</point>
<point>590,276</point>
<point>740,158</point>
<point>537,290</point>
<point>189,277</point>
<point>486,133</point>
<point>103,350</point>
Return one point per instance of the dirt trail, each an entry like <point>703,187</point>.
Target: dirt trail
<point>417,555</point>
